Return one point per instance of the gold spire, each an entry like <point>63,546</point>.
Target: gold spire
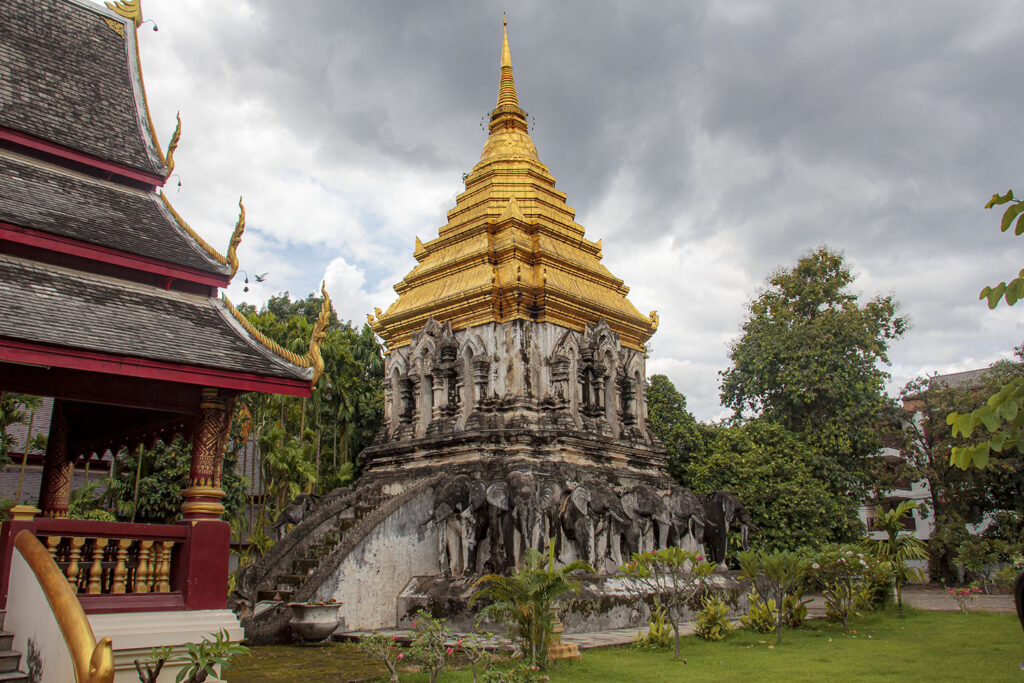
<point>511,250</point>
<point>509,131</point>
<point>507,84</point>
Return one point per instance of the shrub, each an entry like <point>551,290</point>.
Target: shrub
<point>760,616</point>
<point>794,609</point>
<point>783,573</point>
<point>659,631</point>
<point>672,576</point>
<point>526,600</point>
<point>841,572</point>
<point>963,596</point>
<point>522,673</point>
<point>474,647</point>
<point>979,556</point>
<point>712,621</point>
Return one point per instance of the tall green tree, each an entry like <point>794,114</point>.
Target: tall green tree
<point>810,359</point>
<point>674,425</point>
<point>772,471</point>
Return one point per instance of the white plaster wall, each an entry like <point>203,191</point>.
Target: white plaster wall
<point>135,634</point>
<point>30,618</point>
<point>369,579</point>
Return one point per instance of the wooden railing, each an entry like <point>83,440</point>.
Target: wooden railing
<point>113,565</point>
<point>93,662</point>
<point>119,567</point>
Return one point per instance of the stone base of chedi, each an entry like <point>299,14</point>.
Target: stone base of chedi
<point>496,439</point>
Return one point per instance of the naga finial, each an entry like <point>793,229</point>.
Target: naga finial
<point>653,315</point>
<point>319,334</point>
<point>236,238</point>
<point>171,146</point>
<point>129,9</point>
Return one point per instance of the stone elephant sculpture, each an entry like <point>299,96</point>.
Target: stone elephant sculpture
<point>722,510</point>
<point>500,526</point>
<point>456,513</point>
<point>294,512</point>
<point>535,503</point>
<point>688,518</point>
<point>650,519</point>
<point>577,525</point>
<point>610,520</point>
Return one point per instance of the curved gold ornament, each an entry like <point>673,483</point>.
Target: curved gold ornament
<point>129,9</point>
<point>654,320</point>
<point>267,342</point>
<point>171,146</point>
<point>319,334</point>
<point>93,662</point>
<point>191,233</point>
<point>236,239</point>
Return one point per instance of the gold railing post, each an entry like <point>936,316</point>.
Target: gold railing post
<point>72,570</point>
<point>121,567</point>
<point>142,569</point>
<point>96,570</point>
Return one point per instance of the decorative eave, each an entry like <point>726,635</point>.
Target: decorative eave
<point>312,358</point>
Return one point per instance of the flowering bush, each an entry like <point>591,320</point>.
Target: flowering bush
<point>384,648</point>
<point>963,596</point>
<point>430,648</point>
<point>841,572</point>
<point>474,647</point>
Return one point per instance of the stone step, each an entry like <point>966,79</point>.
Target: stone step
<point>304,565</point>
<point>9,661</point>
<point>281,595</point>
<point>6,639</point>
<point>13,677</point>
<point>3,617</point>
<point>290,580</point>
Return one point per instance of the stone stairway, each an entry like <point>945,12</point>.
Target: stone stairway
<point>9,659</point>
<point>283,586</point>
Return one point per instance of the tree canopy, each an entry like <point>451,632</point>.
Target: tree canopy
<point>810,359</point>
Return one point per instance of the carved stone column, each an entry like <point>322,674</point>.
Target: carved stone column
<point>481,375</point>
<point>55,490</point>
<point>203,495</point>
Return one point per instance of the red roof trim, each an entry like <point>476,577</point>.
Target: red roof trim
<point>94,252</point>
<point>48,147</point>
<point>78,359</point>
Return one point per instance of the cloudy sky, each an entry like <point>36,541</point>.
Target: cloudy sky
<point>706,144</point>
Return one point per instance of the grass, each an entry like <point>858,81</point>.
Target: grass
<point>922,646</point>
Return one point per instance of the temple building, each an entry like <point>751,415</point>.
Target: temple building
<point>110,304</point>
<point>510,323</point>
<point>515,418</point>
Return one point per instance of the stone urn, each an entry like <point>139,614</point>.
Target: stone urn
<point>314,621</point>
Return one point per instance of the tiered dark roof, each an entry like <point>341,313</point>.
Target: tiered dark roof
<point>61,202</point>
<point>92,259</point>
<point>72,80</point>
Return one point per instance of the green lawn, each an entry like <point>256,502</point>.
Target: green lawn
<point>928,646</point>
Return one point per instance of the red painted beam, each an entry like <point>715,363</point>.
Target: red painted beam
<point>38,144</point>
<point>94,252</point>
<point>12,351</point>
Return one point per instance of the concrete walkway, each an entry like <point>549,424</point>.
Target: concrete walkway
<point>928,598</point>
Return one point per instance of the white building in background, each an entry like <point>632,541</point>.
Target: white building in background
<point>920,522</point>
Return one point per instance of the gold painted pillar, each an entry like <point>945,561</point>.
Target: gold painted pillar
<point>203,495</point>
<point>58,467</point>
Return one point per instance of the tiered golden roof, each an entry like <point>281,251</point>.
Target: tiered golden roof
<point>511,249</point>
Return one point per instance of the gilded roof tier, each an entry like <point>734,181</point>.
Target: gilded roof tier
<point>511,248</point>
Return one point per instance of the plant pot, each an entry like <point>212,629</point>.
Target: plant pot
<point>313,622</point>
